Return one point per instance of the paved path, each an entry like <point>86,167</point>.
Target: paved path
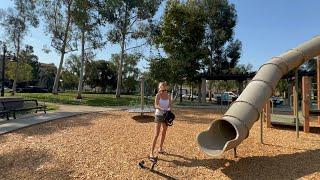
<point>63,112</point>
<point>68,111</point>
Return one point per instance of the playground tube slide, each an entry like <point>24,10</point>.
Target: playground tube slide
<point>233,127</point>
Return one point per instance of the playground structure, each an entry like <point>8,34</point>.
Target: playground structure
<point>144,108</point>
<point>307,110</point>
<point>233,127</point>
<point>286,120</point>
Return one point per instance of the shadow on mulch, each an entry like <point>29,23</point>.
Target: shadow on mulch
<point>212,164</point>
<point>283,166</point>
<point>143,118</point>
<point>27,163</point>
<point>54,126</point>
<point>160,173</point>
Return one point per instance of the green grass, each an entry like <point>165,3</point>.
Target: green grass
<point>87,99</point>
<point>52,107</point>
<point>102,100</point>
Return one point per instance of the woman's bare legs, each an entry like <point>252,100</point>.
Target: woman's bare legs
<point>163,136</point>
<point>155,137</point>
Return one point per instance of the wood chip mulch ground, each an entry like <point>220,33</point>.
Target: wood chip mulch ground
<point>110,145</point>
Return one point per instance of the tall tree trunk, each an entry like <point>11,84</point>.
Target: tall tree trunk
<point>80,85</point>
<point>63,51</point>
<point>14,86</point>
<point>180,93</point>
<point>122,43</point>
<point>199,92</point>
<point>191,92</point>
<point>203,90</point>
<point>119,80</point>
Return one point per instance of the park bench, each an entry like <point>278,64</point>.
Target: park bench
<point>22,105</point>
<point>5,113</point>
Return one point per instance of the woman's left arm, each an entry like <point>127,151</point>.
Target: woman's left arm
<point>170,102</point>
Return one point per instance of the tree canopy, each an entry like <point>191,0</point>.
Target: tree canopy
<point>224,51</point>
<point>182,38</point>
<point>16,23</point>
<point>128,20</point>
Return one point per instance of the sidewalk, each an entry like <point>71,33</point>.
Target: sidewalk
<point>64,111</point>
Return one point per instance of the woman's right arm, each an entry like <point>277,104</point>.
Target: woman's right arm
<point>156,103</point>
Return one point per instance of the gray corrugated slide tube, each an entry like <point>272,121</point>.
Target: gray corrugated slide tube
<point>234,126</point>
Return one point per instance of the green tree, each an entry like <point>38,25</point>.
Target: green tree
<point>47,75</point>
<point>224,52</point>
<point>130,73</point>
<point>129,19</point>
<point>130,84</point>
<point>160,69</point>
<point>102,74</point>
<point>151,85</point>
<point>25,71</point>
<point>91,76</point>
<point>182,37</point>
<point>27,55</point>
<point>242,68</point>
<point>87,21</point>
<point>282,86</point>
<point>16,23</point>
<point>73,64</point>
<point>222,85</point>
<point>210,87</point>
<point>69,80</point>
<point>58,22</point>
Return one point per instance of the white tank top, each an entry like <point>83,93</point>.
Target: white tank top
<point>164,103</point>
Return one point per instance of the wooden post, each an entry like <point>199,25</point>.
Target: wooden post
<point>261,127</point>
<point>142,94</point>
<point>305,103</point>
<point>318,85</point>
<point>296,83</point>
<point>290,94</point>
<point>267,114</point>
<point>295,100</point>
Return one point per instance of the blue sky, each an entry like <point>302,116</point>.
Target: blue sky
<point>266,29</point>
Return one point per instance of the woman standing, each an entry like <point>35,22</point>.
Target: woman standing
<point>162,104</point>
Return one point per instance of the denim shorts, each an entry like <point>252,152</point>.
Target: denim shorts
<point>159,119</point>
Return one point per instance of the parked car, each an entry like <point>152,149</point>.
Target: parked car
<point>185,96</point>
<point>32,89</point>
<point>194,97</point>
<point>226,96</point>
<point>276,100</point>
<point>188,96</point>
